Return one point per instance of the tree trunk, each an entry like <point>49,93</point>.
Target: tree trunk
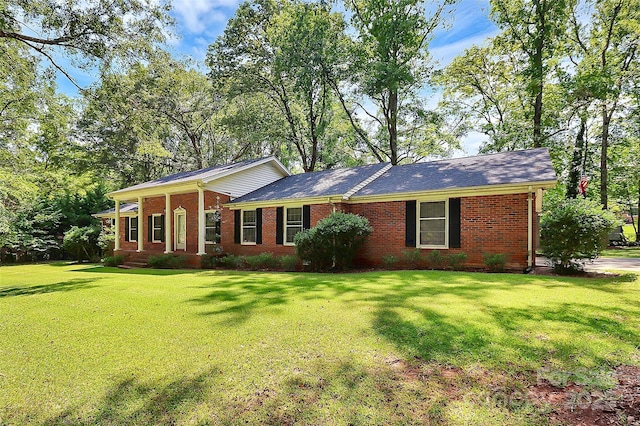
<point>392,125</point>
<point>606,120</point>
<point>576,161</point>
<point>637,228</point>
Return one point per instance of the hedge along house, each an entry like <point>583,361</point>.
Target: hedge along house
<point>476,205</point>
<point>183,213</point>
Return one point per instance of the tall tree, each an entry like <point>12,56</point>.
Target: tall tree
<point>607,64</point>
<point>87,31</point>
<point>537,28</point>
<point>390,64</point>
<point>284,51</point>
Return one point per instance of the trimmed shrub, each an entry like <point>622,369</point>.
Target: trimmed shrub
<point>113,260</point>
<point>231,261</point>
<point>262,261</point>
<point>334,241</point>
<point>389,261</point>
<point>166,261</point>
<point>289,262</point>
<point>456,260</point>
<point>436,260</point>
<point>209,262</point>
<point>494,261</point>
<point>574,231</point>
<point>412,258</point>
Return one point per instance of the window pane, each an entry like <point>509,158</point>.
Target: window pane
<point>157,234</point>
<point>157,222</point>
<point>291,232</point>
<point>294,215</point>
<point>210,235</point>
<point>210,219</point>
<point>249,217</point>
<point>249,235</point>
<point>432,232</point>
<point>134,222</point>
<point>432,209</point>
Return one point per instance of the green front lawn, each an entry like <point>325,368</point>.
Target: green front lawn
<point>627,252</point>
<point>83,344</point>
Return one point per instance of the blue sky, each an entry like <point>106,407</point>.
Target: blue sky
<point>199,22</point>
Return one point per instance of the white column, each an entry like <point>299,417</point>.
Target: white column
<point>116,245</point>
<point>168,216</point>
<point>140,225</point>
<point>531,254</point>
<point>201,249</point>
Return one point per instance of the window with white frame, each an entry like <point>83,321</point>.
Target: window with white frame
<point>248,227</point>
<point>133,228</point>
<point>433,224</point>
<point>292,224</point>
<point>157,228</point>
<point>212,227</point>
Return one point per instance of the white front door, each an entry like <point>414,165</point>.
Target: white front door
<point>181,230</point>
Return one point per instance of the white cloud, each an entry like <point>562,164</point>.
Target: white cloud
<point>196,15</point>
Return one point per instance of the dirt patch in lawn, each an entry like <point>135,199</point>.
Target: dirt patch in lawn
<point>574,405</point>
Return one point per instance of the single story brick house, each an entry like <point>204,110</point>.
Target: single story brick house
<point>476,205</point>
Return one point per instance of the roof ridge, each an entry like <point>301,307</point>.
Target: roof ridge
<point>366,182</point>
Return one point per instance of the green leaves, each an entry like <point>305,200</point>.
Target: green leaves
<point>573,231</point>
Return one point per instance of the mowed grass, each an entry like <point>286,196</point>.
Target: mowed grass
<point>93,345</point>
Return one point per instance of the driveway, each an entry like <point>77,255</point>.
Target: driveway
<point>604,264</point>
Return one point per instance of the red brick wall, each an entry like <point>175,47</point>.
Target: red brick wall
<point>489,224</point>
<point>189,202</point>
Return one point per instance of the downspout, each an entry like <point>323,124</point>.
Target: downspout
<point>333,206</point>
<point>530,232</point>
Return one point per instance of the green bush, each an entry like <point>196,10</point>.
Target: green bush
<point>82,243</point>
<point>113,260</point>
<point>334,241</point>
<point>412,258</point>
<point>166,261</point>
<point>389,261</point>
<point>262,261</point>
<point>574,231</point>
<point>289,262</point>
<point>231,261</point>
<point>209,261</point>
<point>436,260</point>
<point>456,260</point>
<point>494,261</point>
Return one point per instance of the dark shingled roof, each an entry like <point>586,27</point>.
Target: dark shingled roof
<point>191,176</point>
<point>511,167</point>
<point>316,184</point>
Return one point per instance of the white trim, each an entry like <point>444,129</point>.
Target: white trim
<point>153,227</point>
<point>530,229</point>
<point>284,223</point>
<point>446,224</point>
<point>255,227</point>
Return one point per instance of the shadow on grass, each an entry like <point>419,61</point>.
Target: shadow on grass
<point>135,271</point>
<point>71,285</point>
<point>131,402</point>
<point>525,335</point>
